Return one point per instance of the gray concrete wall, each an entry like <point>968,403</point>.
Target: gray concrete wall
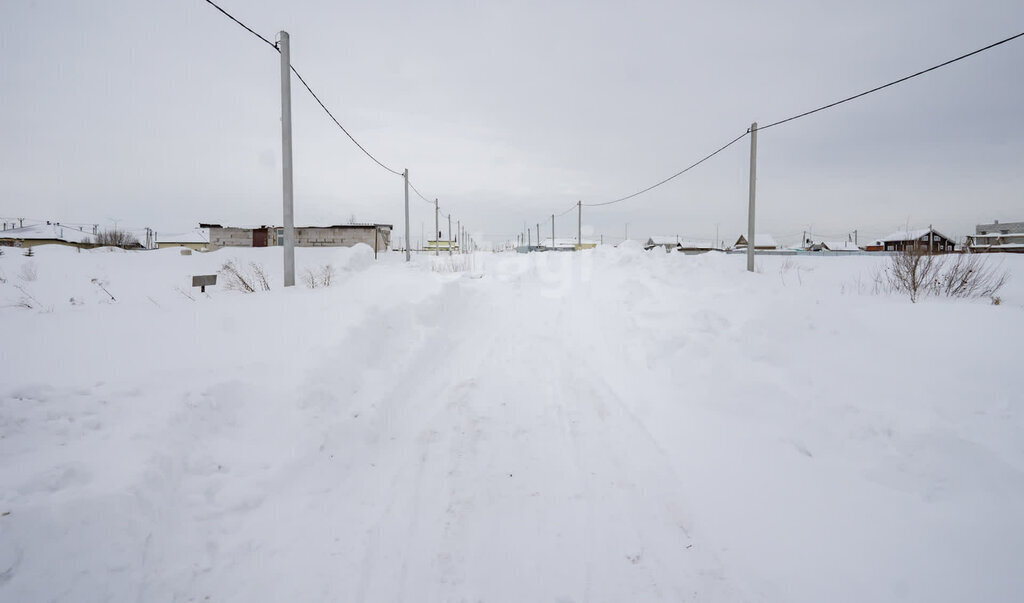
<point>339,237</point>
<point>230,237</point>
<point>304,237</point>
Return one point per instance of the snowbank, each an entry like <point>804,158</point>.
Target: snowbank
<point>610,425</point>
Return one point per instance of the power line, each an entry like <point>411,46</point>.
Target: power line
<point>246,27</point>
<point>308,88</point>
<point>415,190</point>
<point>338,123</point>
<point>571,207</point>
<point>673,176</point>
<point>892,83</point>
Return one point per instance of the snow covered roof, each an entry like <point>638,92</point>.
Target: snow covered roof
<point>840,246</point>
<point>911,235</point>
<point>696,244</point>
<point>196,235</point>
<point>36,232</point>
<point>659,240</point>
<point>999,227</point>
<point>566,243</point>
<point>760,240</point>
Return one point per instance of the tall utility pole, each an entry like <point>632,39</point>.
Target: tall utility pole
<point>579,225</point>
<point>286,159</point>
<point>750,211</point>
<point>437,227</point>
<point>408,237</point>
<point>627,232</point>
<point>458,234</point>
<point>449,234</point>
<point>553,247</point>
<point>529,236</point>
<point>538,234</point>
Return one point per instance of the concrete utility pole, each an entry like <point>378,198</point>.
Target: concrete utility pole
<point>408,237</point>
<point>538,234</point>
<point>750,210</point>
<point>553,247</point>
<point>458,234</point>
<point>579,226</point>
<point>437,227</point>
<point>286,159</point>
<point>449,234</point>
<point>529,236</point>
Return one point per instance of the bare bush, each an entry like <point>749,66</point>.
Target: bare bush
<point>912,271</point>
<point>917,273</point>
<point>246,280</point>
<point>321,277</point>
<point>971,276</point>
<point>103,285</point>
<point>116,238</point>
<point>27,300</point>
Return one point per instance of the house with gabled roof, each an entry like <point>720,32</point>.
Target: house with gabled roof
<point>761,241</point>
<point>922,238</point>
<point>47,234</point>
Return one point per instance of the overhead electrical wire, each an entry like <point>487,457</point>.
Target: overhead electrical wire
<point>244,26</point>
<point>673,176</point>
<point>892,83</point>
<point>308,88</point>
<point>415,190</point>
<point>806,113</point>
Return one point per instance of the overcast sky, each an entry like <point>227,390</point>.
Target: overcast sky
<point>164,113</point>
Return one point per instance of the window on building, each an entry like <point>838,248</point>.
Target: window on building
<point>280,236</point>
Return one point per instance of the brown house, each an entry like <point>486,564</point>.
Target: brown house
<point>924,239</point>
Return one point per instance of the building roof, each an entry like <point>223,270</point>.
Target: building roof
<point>567,242</point>
<point>660,240</point>
<point>999,227</point>
<point>196,235</point>
<point>760,240</point>
<point>911,235</point>
<point>36,232</point>
<point>840,246</point>
<point>253,226</point>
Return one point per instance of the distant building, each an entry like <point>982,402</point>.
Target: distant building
<point>197,240</point>
<point>845,246</point>
<point>47,234</point>
<point>566,244</point>
<point>923,238</point>
<point>679,244</point>
<point>377,236</point>
<point>761,241</point>
<point>442,245</point>
<point>996,237</point>
<point>668,243</point>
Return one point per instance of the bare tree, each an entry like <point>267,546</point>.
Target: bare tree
<point>116,238</point>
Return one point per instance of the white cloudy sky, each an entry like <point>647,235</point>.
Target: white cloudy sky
<point>163,113</point>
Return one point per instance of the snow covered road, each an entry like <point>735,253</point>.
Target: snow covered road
<point>606,426</point>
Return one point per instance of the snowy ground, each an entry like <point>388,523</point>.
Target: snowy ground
<point>612,425</point>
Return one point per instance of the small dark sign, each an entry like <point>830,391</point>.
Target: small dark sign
<point>203,280</point>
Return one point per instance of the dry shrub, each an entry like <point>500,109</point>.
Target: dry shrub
<point>917,273</point>
<point>321,277</point>
<point>247,280</point>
